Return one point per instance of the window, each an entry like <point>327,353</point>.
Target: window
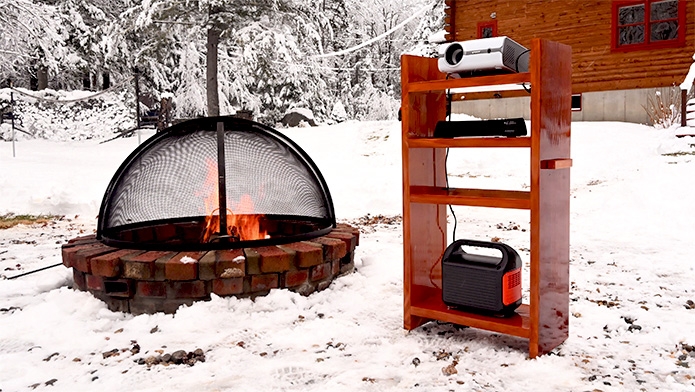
<point>487,29</point>
<point>648,24</point>
<point>576,102</point>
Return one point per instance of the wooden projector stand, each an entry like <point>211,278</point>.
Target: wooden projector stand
<point>544,320</point>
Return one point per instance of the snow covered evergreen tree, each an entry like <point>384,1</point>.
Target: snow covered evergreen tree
<point>30,38</point>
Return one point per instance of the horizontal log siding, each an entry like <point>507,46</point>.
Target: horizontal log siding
<point>586,26</point>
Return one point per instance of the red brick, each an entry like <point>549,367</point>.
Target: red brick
<point>333,249</point>
<point>68,251</point>
<point>83,239</point>
<point>349,239</point>
<point>253,261</point>
<point>109,265</point>
<point>349,229</point>
<point>321,271</point>
<point>264,282</point>
<point>141,266</point>
<point>160,266</point>
<point>191,289</point>
<point>225,287</point>
<point>164,232</point>
<point>175,269</point>
<point>94,283</point>
<point>80,259</point>
<point>308,254</point>
<point>190,232</point>
<point>126,235</point>
<point>223,264</point>
<point>144,235</point>
<point>335,267</point>
<point>274,259</point>
<point>151,289</point>
<point>79,279</point>
<point>296,278</point>
<point>229,259</point>
<point>138,269</point>
<point>206,266</point>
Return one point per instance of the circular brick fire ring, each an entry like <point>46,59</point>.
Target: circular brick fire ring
<point>138,281</point>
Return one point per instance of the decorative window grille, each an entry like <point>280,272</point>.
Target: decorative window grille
<point>649,24</point>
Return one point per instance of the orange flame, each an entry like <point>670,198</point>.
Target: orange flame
<point>241,227</point>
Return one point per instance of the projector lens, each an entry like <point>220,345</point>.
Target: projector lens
<point>454,54</point>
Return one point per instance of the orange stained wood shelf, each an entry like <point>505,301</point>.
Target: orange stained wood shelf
<point>431,306</point>
<point>471,197</point>
<point>492,142</point>
<point>544,319</point>
<point>481,81</point>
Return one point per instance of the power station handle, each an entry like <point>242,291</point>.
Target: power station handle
<point>504,248</point>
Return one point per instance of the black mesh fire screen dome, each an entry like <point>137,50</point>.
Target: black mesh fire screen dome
<point>179,191</point>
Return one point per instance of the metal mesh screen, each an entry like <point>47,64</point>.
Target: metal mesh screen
<point>174,175</point>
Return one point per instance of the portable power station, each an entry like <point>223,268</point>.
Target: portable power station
<point>480,283</point>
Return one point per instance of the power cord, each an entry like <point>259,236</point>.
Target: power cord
<point>446,158</point>
<point>528,89</point>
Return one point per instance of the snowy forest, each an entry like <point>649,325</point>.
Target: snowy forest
<point>337,58</point>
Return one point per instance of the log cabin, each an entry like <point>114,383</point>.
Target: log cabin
<point>624,52</point>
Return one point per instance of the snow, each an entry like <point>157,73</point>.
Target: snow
<point>188,260</point>
<point>688,81</point>
<point>303,111</point>
<point>631,271</point>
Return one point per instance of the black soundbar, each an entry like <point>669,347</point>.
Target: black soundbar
<point>509,127</point>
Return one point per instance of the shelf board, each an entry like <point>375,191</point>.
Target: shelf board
<point>480,81</point>
<point>501,142</point>
<point>516,325</point>
<point>471,197</point>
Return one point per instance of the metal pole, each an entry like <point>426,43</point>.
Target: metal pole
<point>12,119</point>
<point>222,182</point>
<point>137,102</point>
<point>684,107</point>
<point>137,96</point>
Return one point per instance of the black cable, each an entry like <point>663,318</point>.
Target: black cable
<point>31,272</point>
<point>446,158</point>
<point>518,57</point>
<point>528,89</point>
<point>451,208</point>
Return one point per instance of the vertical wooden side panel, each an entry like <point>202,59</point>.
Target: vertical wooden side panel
<point>551,71</point>
<point>424,225</point>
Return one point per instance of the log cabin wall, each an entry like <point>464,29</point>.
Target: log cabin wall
<point>615,85</point>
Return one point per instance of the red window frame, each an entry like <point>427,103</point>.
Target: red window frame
<point>482,25</point>
<point>615,28</point>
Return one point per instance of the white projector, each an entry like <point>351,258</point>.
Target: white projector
<point>482,55</point>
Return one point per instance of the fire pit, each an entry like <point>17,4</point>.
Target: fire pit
<point>221,206</point>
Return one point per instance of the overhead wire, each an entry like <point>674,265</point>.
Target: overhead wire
<point>379,37</point>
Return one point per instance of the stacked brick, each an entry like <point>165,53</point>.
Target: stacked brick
<point>138,281</point>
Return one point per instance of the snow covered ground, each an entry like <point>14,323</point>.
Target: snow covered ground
<point>631,329</point>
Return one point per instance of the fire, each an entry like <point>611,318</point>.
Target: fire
<point>242,226</point>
